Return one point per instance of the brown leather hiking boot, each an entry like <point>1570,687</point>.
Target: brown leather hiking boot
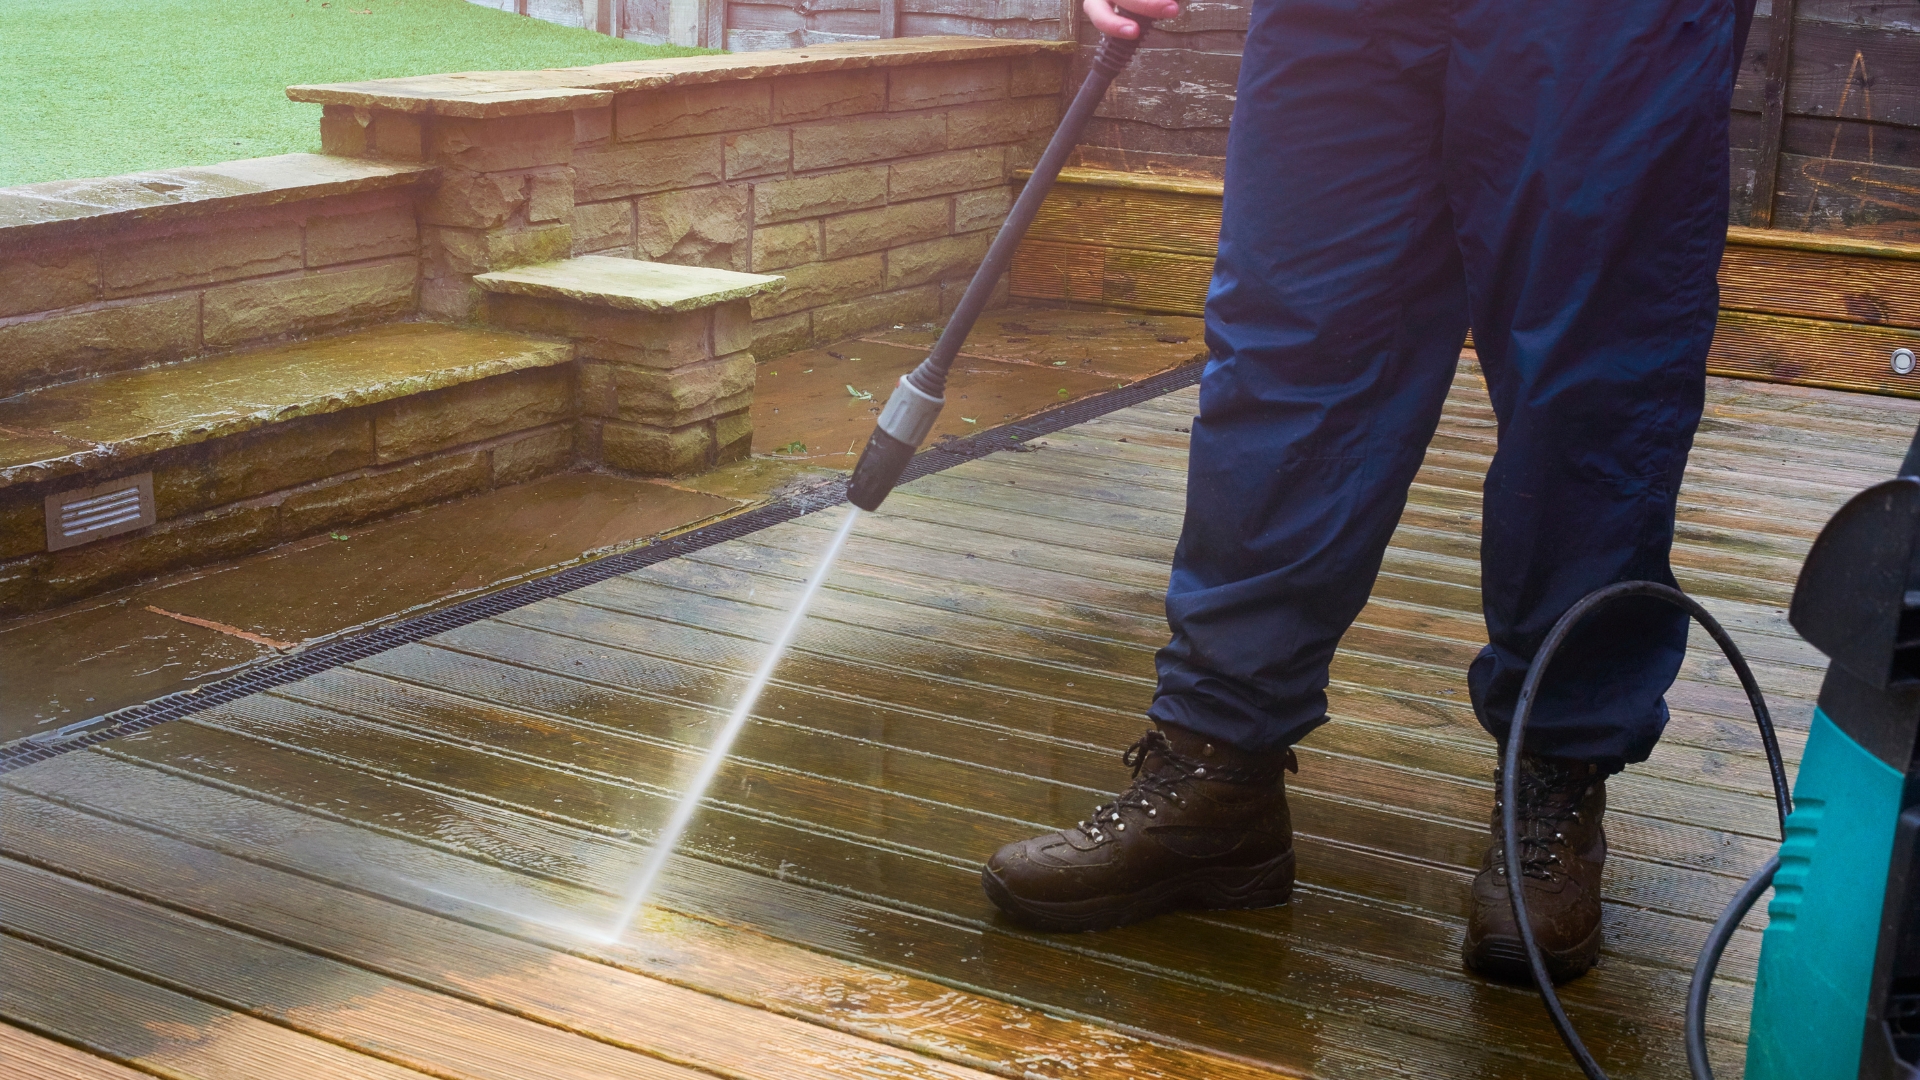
<point>1203,826</point>
<point>1562,849</point>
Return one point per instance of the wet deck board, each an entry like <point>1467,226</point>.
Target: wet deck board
<point>374,871</point>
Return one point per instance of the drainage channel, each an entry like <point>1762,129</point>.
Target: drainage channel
<point>46,745</point>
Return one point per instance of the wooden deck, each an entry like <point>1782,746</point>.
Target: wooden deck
<point>373,872</point>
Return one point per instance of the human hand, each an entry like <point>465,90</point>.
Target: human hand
<point>1110,16</point>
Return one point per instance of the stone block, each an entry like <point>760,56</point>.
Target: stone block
<point>829,93</point>
<point>269,459</point>
<point>595,388</point>
<point>778,336</point>
<point>849,317</point>
<point>23,523</point>
<point>733,437</point>
<point>672,398</point>
<point>374,493</point>
<point>549,196</point>
<point>933,260</point>
<point>984,209</point>
<point>732,327</point>
<point>71,344</point>
<point>667,339</point>
<point>1033,76</point>
<point>823,283</point>
<point>788,244</point>
<point>831,143</point>
<point>1001,121</point>
<point>398,136</point>
<point>759,153</point>
<point>420,424</point>
<point>471,200</point>
<point>814,196</point>
<point>888,226</point>
<point>452,298</point>
<point>692,110</point>
<point>700,227</point>
<point>592,125</point>
<point>933,86</point>
<point>41,581</point>
<point>618,170</point>
<point>343,131</point>
<point>547,451</point>
<point>943,174</point>
<point>198,257</point>
<point>446,251</point>
<point>652,451</point>
<point>311,303</point>
<point>501,143</point>
<point>355,236</point>
<point>603,228</point>
<point>44,280</point>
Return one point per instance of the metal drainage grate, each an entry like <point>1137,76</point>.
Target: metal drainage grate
<point>133,718</point>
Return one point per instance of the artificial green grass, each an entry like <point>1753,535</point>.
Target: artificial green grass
<point>103,87</point>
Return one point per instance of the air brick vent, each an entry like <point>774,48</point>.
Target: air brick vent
<point>86,514</point>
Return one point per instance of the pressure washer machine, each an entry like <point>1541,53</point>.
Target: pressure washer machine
<point>1839,989</point>
<point>1839,984</point>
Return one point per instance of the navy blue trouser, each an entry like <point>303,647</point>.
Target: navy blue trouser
<point>1552,172</point>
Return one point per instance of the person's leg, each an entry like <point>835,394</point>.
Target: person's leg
<point>1586,162</point>
<point>1335,319</point>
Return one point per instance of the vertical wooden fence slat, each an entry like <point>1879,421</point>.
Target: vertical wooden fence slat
<point>889,18</point>
<point>716,25</point>
<point>1773,115</point>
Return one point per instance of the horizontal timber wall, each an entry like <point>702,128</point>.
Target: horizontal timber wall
<point>1808,309</point>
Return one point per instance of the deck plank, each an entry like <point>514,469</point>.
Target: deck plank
<point>365,868</point>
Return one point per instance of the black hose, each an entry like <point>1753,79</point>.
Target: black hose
<point>1717,939</point>
<point>1510,820</point>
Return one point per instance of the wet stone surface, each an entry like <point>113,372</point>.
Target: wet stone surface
<point>73,663</point>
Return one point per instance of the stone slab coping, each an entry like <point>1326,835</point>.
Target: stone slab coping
<point>67,429</point>
<point>37,210</point>
<point>630,284</point>
<point>513,93</point>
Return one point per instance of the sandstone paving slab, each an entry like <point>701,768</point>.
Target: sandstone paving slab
<point>65,429</point>
<point>629,284</point>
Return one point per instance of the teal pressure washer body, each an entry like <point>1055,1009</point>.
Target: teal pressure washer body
<point>1843,940</point>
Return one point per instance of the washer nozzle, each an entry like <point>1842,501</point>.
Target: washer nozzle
<point>904,423</point>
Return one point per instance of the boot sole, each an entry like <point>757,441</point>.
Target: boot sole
<point>1504,959</point>
<point>1268,884</point>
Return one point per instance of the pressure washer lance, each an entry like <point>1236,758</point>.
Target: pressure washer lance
<point>917,400</point>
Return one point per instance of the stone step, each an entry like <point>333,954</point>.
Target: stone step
<point>666,378</point>
<point>629,284</point>
<point>117,478</point>
<point>85,426</point>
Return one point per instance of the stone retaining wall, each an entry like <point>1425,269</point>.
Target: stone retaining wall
<point>869,174</point>
<point>105,275</point>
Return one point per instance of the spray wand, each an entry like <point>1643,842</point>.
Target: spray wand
<point>916,401</point>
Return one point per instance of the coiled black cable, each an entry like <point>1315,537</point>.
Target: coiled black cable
<point>1510,822</point>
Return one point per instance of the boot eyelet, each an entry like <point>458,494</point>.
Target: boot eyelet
<point>1122,827</point>
<point>1153,813</point>
<point>1200,771</point>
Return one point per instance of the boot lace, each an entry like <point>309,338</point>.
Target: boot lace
<point>1170,770</point>
<point>1550,798</point>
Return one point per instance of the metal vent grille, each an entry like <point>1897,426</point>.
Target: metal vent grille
<point>109,509</point>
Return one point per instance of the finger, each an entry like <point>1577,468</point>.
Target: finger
<point>1108,20</point>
